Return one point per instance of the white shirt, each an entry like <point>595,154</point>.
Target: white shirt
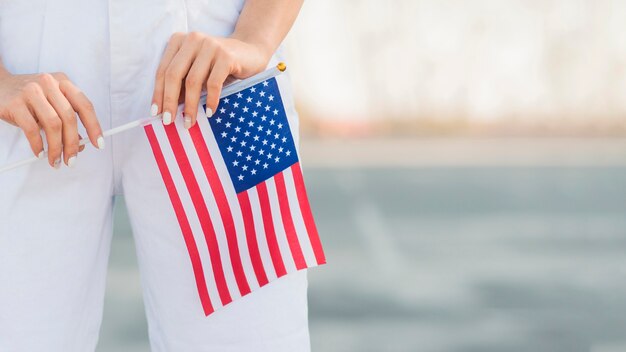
<point>109,49</point>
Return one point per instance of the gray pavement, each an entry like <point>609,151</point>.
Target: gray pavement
<point>446,258</point>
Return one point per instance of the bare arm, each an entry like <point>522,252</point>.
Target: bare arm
<point>265,23</point>
<point>200,60</point>
<point>3,71</point>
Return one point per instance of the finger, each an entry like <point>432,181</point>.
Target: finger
<point>48,119</point>
<point>198,74</point>
<point>86,112</point>
<point>170,51</point>
<point>66,113</point>
<point>220,71</point>
<point>81,147</point>
<point>27,123</point>
<point>176,72</point>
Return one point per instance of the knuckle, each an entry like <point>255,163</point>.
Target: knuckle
<point>60,76</point>
<point>192,82</point>
<point>88,106</point>
<point>195,36</point>
<point>213,85</point>
<point>209,44</point>
<point>64,84</point>
<point>160,74</point>
<point>31,130</point>
<point>32,89</point>
<point>218,52</point>
<point>172,74</point>
<point>225,55</point>
<point>46,79</point>
<point>176,36</point>
<point>210,41</point>
<point>69,118</point>
<point>54,124</point>
<point>69,114</point>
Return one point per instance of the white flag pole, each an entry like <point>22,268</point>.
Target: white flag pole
<point>226,91</point>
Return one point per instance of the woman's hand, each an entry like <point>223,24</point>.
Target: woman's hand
<point>50,102</point>
<point>193,61</point>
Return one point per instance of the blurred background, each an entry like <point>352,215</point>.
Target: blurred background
<point>466,162</point>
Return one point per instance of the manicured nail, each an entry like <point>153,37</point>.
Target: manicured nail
<point>100,142</point>
<point>71,161</point>
<point>57,163</point>
<point>187,122</point>
<point>41,155</point>
<point>154,110</point>
<point>209,112</point>
<point>167,118</point>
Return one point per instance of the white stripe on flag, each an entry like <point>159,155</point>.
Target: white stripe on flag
<point>190,213</point>
<point>233,202</point>
<point>298,221</point>
<point>279,228</point>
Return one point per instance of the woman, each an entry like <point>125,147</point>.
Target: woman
<point>78,67</point>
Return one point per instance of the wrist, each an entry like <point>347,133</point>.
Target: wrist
<point>264,49</point>
<point>3,72</point>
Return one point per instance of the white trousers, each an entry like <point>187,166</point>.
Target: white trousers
<point>56,225</point>
<point>55,233</point>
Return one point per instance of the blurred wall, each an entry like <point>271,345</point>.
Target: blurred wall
<point>480,60</point>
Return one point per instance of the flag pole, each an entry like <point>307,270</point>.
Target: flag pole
<point>226,91</point>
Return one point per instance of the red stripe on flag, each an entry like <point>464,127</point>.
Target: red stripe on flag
<point>307,215</point>
<point>270,234</point>
<point>290,229</point>
<point>183,222</point>
<point>253,246</point>
<point>202,211</point>
<point>222,205</point>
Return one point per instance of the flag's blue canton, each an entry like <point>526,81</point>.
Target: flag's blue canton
<point>253,134</point>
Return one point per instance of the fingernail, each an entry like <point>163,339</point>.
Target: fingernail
<point>71,161</point>
<point>154,110</point>
<point>57,163</point>
<point>187,122</point>
<point>209,112</point>
<point>41,155</point>
<point>100,142</point>
<point>167,118</point>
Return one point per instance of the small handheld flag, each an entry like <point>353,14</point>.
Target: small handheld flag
<point>237,190</point>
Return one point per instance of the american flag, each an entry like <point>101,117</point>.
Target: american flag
<point>237,190</point>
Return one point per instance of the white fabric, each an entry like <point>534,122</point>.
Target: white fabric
<point>55,226</point>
